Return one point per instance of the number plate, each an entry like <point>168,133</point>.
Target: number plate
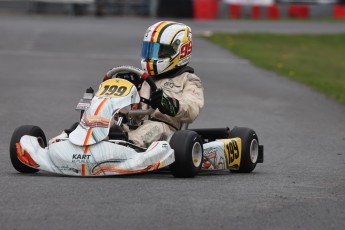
<point>233,152</point>
<point>114,88</point>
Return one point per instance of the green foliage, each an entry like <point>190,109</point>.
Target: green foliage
<point>314,60</point>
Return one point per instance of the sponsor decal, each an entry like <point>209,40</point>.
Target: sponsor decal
<point>67,168</point>
<point>169,83</point>
<point>212,153</point>
<point>212,160</point>
<point>81,158</point>
<point>83,105</point>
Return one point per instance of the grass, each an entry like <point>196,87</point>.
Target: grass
<point>315,60</point>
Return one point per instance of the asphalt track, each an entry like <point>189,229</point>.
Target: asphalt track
<point>47,62</point>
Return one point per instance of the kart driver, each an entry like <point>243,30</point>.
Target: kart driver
<point>166,51</point>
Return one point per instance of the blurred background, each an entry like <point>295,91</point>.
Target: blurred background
<point>198,9</point>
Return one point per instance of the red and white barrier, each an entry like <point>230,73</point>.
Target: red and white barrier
<point>271,12</point>
<point>339,11</point>
<point>256,12</point>
<point>235,11</point>
<point>275,12</point>
<point>209,9</point>
<point>205,9</point>
<point>298,11</point>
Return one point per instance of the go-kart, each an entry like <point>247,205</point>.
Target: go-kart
<point>98,145</point>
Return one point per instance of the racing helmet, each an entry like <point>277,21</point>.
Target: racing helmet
<point>167,45</point>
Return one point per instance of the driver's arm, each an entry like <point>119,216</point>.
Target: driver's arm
<point>185,106</point>
<point>192,99</point>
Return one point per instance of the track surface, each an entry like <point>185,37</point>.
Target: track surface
<point>45,65</point>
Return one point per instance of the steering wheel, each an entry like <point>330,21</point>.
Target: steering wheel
<point>143,77</point>
<point>137,72</point>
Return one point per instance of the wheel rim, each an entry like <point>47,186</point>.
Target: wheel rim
<point>197,154</point>
<point>254,151</point>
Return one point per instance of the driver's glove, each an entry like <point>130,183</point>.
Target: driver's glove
<point>165,104</point>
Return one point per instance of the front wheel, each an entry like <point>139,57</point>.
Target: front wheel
<point>16,136</point>
<point>188,154</point>
<point>250,148</point>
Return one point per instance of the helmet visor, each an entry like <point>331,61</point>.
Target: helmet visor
<point>155,51</point>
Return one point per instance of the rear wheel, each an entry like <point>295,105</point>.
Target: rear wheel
<point>250,148</point>
<point>17,134</point>
<point>188,154</point>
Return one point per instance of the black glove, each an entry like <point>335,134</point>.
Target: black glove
<point>165,104</point>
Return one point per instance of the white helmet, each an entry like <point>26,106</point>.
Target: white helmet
<point>166,45</point>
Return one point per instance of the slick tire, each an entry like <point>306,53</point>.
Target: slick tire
<point>17,134</point>
<point>250,148</point>
<point>188,149</point>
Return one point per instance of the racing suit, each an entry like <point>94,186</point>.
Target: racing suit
<point>182,85</point>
